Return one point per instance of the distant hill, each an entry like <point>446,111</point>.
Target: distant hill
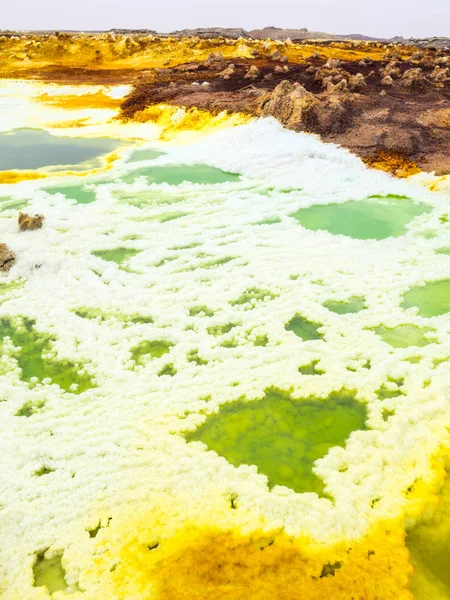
<point>277,33</point>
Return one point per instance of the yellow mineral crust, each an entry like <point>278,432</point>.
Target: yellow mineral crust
<point>109,51</point>
<point>393,162</point>
<point>209,563</point>
<point>176,122</point>
<point>96,99</point>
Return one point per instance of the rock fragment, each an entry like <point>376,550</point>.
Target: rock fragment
<point>7,258</point>
<point>252,73</point>
<point>28,223</point>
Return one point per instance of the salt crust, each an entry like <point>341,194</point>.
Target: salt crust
<point>117,445</point>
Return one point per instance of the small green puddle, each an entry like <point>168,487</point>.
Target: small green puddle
<point>217,330</point>
<point>80,193</point>
<point>7,203</point>
<point>33,347</point>
<point>311,369</point>
<point>404,336</point>
<point>202,311</point>
<point>117,255</point>
<point>354,305</point>
<point>445,251</point>
<point>50,573</point>
<point>145,155</point>
<point>177,174</point>
<point>281,436</point>
<point>269,221</point>
<point>374,218</point>
<point>147,349</point>
<point>253,296</point>
<point>36,148</point>
<point>432,299</point>
<point>304,329</point>
<point>99,315</point>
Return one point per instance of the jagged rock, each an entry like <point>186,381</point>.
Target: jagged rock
<point>7,258</point>
<point>291,104</point>
<point>427,62</point>
<point>315,56</point>
<point>439,74</point>
<point>392,70</point>
<point>252,73</point>
<point>311,70</point>
<point>276,55</point>
<point>268,77</point>
<point>414,80</point>
<point>339,88</point>
<point>278,69</point>
<point>215,61</point>
<point>356,82</point>
<point>228,72</point>
<point>417,56</point>
<point>333,63</point>
<point>383,93</point>
<point>27,223</point>
<point>187,67</point>
<point>387,81</point>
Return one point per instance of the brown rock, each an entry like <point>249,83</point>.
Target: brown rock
<point>356,82</point>
<point>27,223</point>
<point>291,104</point>
<point>333,63</point>
<point>215,61</point>
<point>276,55</point>
<point>417,56</point>
<point>252,73</point>
<point>337,88</point>
<point>228,72</point>
<point>7,258</point>
<point>414,80</point>
<point>388,81</point>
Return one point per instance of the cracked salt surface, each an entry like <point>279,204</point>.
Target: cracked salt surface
<point>209,284</point>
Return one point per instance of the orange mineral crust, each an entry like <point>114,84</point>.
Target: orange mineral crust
<point>209,564</point>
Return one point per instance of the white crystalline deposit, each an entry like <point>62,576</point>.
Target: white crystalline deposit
<point>199,249</point>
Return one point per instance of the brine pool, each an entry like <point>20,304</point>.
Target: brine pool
<point>252,325</point>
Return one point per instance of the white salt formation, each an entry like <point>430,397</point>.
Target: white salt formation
<point>139,309</point>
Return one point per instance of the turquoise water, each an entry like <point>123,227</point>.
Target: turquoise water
<point>80,193</point>
<point>176,174</point>
<point>117,255</point>
<point>404,336</point>
<point>145,155</point>
<point>283,437</point>
<point>50,573</point>
<point>355,304</point>
<point>304,329</point>
<point>36,148</point>
<point>374,218</point>
<point>33,346</point>
<point>432,299</point>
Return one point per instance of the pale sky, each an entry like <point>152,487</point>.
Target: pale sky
<point>383,18</point>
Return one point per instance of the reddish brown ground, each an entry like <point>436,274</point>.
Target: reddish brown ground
<point>401,124</point>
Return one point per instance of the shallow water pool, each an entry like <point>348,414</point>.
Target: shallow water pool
<point>375,218</point>
<point>36,148</point>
